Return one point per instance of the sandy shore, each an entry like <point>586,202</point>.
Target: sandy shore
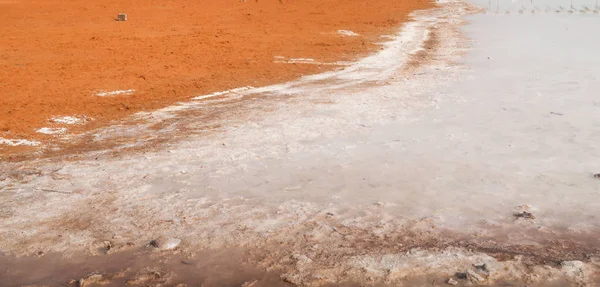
<point>452,155</point>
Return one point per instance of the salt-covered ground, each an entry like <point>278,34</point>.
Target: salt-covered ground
<point>456,145</point>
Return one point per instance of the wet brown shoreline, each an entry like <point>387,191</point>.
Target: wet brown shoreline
<point>225,267</point>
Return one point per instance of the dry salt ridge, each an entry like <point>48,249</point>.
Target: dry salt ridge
<point>463,153</point>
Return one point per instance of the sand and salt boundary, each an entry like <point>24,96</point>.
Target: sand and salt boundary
<point>379,173</point>
<point>77,60</point>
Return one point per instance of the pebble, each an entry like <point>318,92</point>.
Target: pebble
<point>525,215</point>
<point>91,279</point>
<point>482,267</point>
<point>168,243</point>
<point>451,281</point>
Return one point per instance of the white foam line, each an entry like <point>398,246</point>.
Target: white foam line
<point>51,131</point>
<point>18,142</point>
<point>114,93</point>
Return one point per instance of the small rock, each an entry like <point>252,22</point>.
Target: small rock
<point>144,278</point>
<point>461,275</point>
<point>168,243</point>
<point>597,175</point>
<point>451,281</point>
<point>482,267</point>
<point>92,279</point>
<point>474,277</point>
<point>524,215</point>
<point>107,245</point>
<point>122,17</point>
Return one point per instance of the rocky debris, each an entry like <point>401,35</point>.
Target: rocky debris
<point>523,212</point>
<point>250,283</point>
<point>524,215</point>
<point>474,277</point>
<point>293,279</point>
<point>108,246</point>
<point>150,276</point>
<point>468,275</point>
<point>452,282</point>
<point>92,279</point>
<point>166,243</point>
<point>482,267</point>
<point>574,270</point>
<point>461,275</point>
<point>597,175</point>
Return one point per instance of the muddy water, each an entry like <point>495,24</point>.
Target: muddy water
<point>141,267</point>
<point>147,268</point>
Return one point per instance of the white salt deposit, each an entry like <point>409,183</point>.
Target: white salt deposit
<point>232,91</point>
<point>347,33</point>
<point>457,145</point>
<point>309,61</point>
<point>51,131</point>
<point>18,142</point>
<point>67,120</point>
<point>115,93</point>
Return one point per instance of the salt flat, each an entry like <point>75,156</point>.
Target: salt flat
<point>412,164</point>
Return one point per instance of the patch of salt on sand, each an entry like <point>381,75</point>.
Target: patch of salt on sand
<point>232,91</point>
<point>115,93</point>
<point>18,142</point>
<point>347,33</point>
<point>67,120</point>
<point>379,66</point>
<point>51,131</point>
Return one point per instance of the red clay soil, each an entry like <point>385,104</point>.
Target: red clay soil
<point>55,55</point>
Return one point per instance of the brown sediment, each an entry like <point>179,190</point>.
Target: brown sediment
<point>427,53</point>
<point>56,55</point>
<point>275,262</point>
<point>141,267</point>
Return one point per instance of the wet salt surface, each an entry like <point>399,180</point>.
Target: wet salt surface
<point>462,150</point>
